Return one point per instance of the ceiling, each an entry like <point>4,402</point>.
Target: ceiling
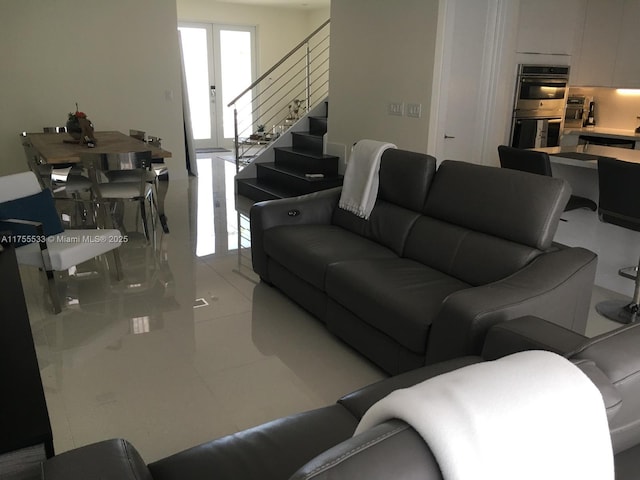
<point>303,4</point>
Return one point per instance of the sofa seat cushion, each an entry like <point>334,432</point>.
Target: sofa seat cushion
<point>397,296</point>
<point>307,250</point>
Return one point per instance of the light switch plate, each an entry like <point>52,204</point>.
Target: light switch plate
<point>396,108</point>
<point>414,110</point>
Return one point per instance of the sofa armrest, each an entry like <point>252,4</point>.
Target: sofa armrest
<point>313,208</point>
<point>555,286</point>
<point>108,460</point>
<point>529,333</point>
<point>273,450</point>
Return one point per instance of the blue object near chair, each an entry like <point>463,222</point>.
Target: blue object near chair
<point>28,218</point>
<point>38,207</point>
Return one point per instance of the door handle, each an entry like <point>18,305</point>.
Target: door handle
<point>448,136</point>
<point>213,92</point>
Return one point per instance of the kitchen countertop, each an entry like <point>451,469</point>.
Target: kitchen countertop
<point>586,156</point>
<point>603,132</point>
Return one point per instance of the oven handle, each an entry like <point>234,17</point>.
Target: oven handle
<point>551,81</point>
<point>536,114</point>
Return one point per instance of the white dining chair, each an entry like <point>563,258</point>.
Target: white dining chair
<point>28,218</point>
<point>159,175</point>
<point>117,177</point>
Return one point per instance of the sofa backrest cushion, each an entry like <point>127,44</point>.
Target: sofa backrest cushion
<point>388,224</point>
<point>617,355</point>
<point>405,178</point>
<point>474,257</point>
<point>513,205</point>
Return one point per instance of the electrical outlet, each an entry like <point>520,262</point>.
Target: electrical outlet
<point>414,110</point>
<point>396,108</point>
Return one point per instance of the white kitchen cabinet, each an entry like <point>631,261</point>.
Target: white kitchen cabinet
<point>549,26</point>
<point>608,53</point>
<point>600,36</point>
<point>627,68</point>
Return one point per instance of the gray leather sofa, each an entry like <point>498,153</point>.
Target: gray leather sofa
<point>318,444</point>
<point>443,256</point>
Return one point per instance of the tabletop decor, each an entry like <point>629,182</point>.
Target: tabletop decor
<point>80,128</point>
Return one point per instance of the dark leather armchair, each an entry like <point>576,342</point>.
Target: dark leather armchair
<point>318,444</point>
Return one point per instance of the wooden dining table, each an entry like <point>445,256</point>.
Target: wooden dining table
<point>60,148</point>
<point>57,148</point>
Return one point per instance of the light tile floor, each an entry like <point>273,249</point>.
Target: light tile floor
<point>136,360</point>
<point>139,360</point>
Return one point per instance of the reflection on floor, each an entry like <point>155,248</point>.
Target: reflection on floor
<point>189,346</point>
<point>616,247</point>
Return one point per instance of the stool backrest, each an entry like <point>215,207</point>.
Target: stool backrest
<point>524,160</point>
<point>619,200</point>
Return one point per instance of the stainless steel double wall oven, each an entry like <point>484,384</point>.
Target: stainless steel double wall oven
<point>539,106</point>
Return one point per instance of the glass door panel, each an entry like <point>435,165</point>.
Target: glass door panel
<point>236,68</point>
<point>200,79</point>
<point>219,64</point>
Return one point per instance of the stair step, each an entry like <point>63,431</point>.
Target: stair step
<point>255,190</point>
<point>307,141</point>
<point>318,125</point>
<point>305,161</point>
<point>260,190</point>
<point>294,181</point>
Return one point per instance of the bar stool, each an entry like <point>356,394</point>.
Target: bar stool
<point>619,204</point>
<point>539,163</point>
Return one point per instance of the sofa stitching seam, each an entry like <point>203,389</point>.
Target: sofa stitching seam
<point>353,451</point>
<point>129,459</point>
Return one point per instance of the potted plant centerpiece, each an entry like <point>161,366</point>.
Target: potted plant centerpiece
<point>80,127</point>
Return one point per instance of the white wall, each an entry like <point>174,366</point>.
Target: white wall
<point>118,59</point>
<point>381,52</point>
<point>318,16</point>
<point>278,30</point>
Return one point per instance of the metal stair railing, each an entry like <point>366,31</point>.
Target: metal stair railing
<point>281,96</point>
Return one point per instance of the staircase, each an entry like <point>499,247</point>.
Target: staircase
<point>292,97</point>
<point>297,169</point>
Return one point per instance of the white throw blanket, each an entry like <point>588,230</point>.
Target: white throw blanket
<point>529,416</point>
<point>360,186</point>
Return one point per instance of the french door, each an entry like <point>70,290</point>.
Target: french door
<point>219,63</point>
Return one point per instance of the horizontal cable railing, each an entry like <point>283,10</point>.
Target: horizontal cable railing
<point>278,98</point>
